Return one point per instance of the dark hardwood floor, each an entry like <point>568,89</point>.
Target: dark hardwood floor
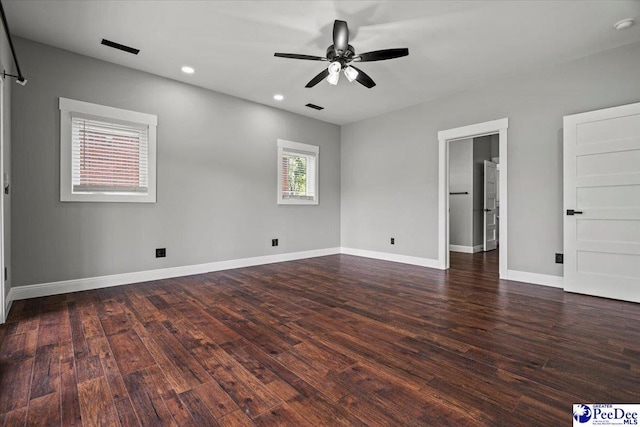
<point>336,340</point>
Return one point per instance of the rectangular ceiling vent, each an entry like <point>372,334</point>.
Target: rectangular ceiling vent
<point>120,46</point>
<point>314,106</point>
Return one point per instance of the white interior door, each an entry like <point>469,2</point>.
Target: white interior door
<point>490,241</point>
<point>602,203</point>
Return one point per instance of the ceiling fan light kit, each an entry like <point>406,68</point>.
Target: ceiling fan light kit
<point>340,54</point>
<point>350,73</point>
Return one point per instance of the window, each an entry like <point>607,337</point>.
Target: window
<point>297,173</point>
<point>106,154</point>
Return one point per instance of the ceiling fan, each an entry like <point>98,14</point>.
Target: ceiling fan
<point>341,54</point>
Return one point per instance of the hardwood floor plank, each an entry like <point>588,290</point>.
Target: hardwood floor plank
<point>129,352</point>
<point>146,401</point>
<point>16,418</point>
<point>91,325</point>
<point>278,379</point>
<point>115,324</point>
<point>198,408</point>
<point>282,415</point>
<point>69,402</point>
<point>172,373</point>
<point>190,370</point>
<point>126,414</point>
<point>215,398</point>
<point>44,411</point>
<point>19,346</point>
<point>51,327</point>
<point>87,367</point>
<point>236,419</point>
<point>15,379</point>
<point>100,347</point>
<point>320,411</point>
<point>96,405</point>
<point>251,397</point>
<point>178,410</point>
<point>46,371</point>
<point>272,342</point>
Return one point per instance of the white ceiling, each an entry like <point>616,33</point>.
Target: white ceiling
<point>453,45</point>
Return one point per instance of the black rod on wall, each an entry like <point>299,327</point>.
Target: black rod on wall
<point>21,80</point>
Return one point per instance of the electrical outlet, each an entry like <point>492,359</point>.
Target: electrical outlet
<point>161,252</point>
<point>559,258</point>
<point>393,240</point>
<point>274,242</point>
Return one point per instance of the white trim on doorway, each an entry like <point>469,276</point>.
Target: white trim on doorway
<point>499,127</point>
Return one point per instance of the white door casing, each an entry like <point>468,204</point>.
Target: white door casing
<point>489,240</point>
<point>602,203</point>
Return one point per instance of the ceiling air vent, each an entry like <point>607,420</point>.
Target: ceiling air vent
<point>120,46</point>
<point>314,106</point>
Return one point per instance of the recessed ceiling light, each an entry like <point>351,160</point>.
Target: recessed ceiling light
<point>624,24</point>
<point>188,70</point>
<point>278,97</point>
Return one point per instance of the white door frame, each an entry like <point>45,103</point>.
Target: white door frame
<point>500,127</point>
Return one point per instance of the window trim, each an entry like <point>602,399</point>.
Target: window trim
<point>284,145</point>
<point>70,106</point>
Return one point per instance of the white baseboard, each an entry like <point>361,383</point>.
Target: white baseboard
<point>466,249</point>
<point>535,278</point>
<point>65,286</point>
<point>405,259</point>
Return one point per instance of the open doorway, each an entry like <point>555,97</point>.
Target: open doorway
<point>491,208</point>
<point>474,165</point>
<point>474,203</point>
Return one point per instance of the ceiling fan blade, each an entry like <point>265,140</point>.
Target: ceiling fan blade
<point>381,55</point>
<point>363,78</point>
<point>299,56</point>
<point>340,35</point>
<point>317,79</point>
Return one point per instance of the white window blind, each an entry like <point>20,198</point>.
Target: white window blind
<point>297,173</point>
<point>109,156</point>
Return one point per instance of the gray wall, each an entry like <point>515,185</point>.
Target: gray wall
<point>385,194</point>
<point>7,64</point>
<point>460,181</point>
<point>481,152</point>
<point>216,196</point>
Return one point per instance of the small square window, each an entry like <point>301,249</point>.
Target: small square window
<point>297,173</point>
<point>106,154</point>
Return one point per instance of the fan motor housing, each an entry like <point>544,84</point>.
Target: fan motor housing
<point>342,57</point>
